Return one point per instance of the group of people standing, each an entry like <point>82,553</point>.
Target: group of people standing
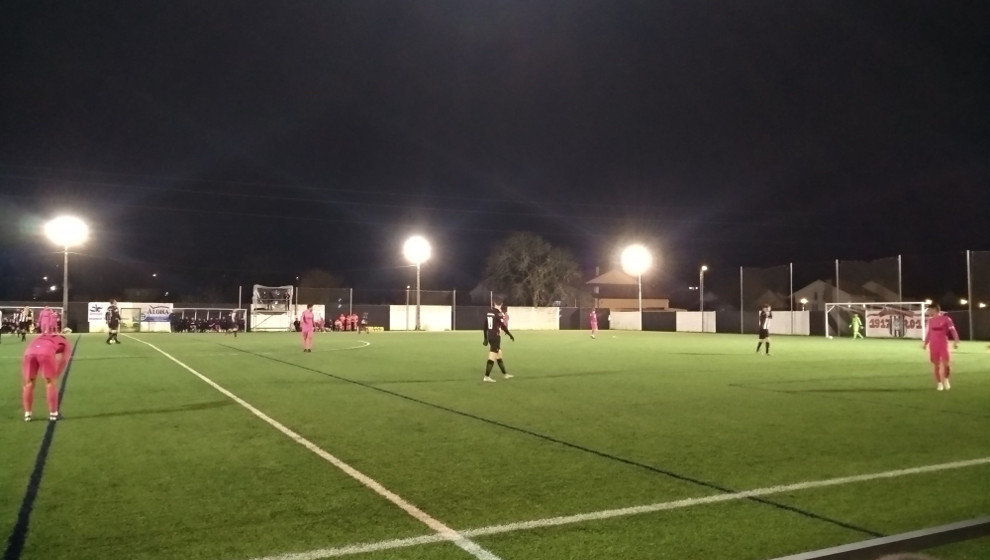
<point>25,322</point>
<point>938,331</point>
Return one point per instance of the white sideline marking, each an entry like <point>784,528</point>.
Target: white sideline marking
<point>441,531</point>
<point>611,513</point>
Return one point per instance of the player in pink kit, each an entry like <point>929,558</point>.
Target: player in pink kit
<point>40,355</point>
<point>307,324</point>
<point>47,320</point>
<point>593,320</point>
<point>940,328</point>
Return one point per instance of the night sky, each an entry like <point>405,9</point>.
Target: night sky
<point>231,143</point>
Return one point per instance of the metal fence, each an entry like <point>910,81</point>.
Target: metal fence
<point>959,282</point>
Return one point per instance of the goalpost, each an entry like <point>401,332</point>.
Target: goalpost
<point>891,319</point>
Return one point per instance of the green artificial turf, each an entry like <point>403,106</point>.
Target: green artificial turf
<point>151,461</point>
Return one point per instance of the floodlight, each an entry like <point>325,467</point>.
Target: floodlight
<point>417,251</point>
<point>66,231</point>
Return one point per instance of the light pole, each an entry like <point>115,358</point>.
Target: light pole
<point>417,251</point>
<point>636,260</point>
<point>66,231</point>
<point>701,294</point>
<point>701,288</point>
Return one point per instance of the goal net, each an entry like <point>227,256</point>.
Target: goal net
<point>897,319</point>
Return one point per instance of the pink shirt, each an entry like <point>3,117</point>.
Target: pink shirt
<point>593,318</point>
<point>47,344</point>
<point>47,320</point>
<point>940,327</point>
<point>306,320</point>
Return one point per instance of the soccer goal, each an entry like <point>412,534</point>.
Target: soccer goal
<point>271,308</point>
<point>893,319</point>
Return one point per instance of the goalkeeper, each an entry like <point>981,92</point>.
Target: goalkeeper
<point>856,326</point>
<point>494,325</point>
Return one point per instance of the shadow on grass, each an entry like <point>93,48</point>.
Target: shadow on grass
<point>184,408</point>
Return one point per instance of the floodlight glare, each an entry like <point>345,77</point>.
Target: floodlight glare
<point>66,231</point>
<point>417,251</point>
<point>636,260</point>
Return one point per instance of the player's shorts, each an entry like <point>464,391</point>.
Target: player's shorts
<point>764,333</point>
<point>25,326</point>
<point>33,363</point>
<point>113,324</point>
<point>495,344</point>
<point>938,354</point>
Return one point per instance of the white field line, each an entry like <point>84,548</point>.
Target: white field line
<point>442,532</point>
<point>612,513</point>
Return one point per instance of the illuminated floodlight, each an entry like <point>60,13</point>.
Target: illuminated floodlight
<point>636,260</point>
<point>701,293</point>
<point>66,231</point>
<point>417,251</point>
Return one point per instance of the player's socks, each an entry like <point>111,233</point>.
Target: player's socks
<point>27,397</point>
<point>768,348</point>
<point>51,395</point>
<point>501,366</point>
<point>939,387</point>
<point>27,416</point>
<point>947,384</point>
<point>758,345</point>
<point>488,368</point>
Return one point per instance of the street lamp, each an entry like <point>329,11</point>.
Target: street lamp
<point>636,260</point>
<point>66,231</point>
<point>417,251</point>
<point>804,301</point>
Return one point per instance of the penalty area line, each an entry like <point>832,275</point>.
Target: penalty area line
<point>378,546</point>
<point>441,531</point>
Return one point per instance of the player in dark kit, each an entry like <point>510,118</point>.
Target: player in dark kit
<point>112,317</point>
<point>766,316</point>
<point>494,325</point>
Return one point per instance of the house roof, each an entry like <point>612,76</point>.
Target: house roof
<point>614,278</point>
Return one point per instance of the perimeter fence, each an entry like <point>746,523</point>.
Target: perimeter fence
<point>958,282</point>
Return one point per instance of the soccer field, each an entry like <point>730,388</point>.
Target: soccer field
<point>388,446</point>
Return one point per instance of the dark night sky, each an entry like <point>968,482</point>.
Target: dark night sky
<point>243,142</point>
